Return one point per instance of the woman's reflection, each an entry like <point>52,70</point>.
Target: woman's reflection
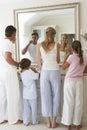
<point>65,48</point>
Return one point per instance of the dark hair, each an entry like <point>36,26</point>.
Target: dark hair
<point>76,45</point>
<point>10,30</point>
<point>25,63</point>
<point>35,33</point>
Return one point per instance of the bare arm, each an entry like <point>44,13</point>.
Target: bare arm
<point>65,65</point>
<point>68,52</point>
<point>34,69</point>
<point>58,53</point>
<point>38,55</point>
<point>24,50</point>
<point>85,71</point>
<point>9,59</point>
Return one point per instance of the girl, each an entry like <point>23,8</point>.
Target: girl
<point>73,86</point>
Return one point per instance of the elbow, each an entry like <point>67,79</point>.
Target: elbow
<point>39,64</point>
<point>22,52</point>
<point>8,60</point>
<point>58,60</point>
<point>63,67</point>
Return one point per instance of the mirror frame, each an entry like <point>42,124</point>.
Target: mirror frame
<point>46,8</point>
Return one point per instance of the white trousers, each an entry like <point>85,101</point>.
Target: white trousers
<point>10,99</point>
<point>73,102</point>
<point>50,83</point>
<point>30,108</point>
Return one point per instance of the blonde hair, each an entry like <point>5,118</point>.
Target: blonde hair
<point>49,38</point>
<point>65,35</point>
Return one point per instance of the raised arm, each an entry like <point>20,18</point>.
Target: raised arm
<point>58,52</point>
<point>38,56</point>
<point>24,50</point>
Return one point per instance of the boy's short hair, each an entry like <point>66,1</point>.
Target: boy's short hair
<point>25,63</point>
<point>35,33</point>
<point>10,30</point>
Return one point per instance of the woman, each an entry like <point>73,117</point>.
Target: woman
<point>50,80</point>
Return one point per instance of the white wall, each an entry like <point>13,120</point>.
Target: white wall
<point>7,17</point>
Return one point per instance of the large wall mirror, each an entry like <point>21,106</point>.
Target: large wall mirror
<point>64,18</point>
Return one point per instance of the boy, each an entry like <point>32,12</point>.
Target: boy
<point>28,76</point>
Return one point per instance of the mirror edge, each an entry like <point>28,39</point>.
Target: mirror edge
<point>43,8</point>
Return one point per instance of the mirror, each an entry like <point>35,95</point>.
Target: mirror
<point>64,18</point>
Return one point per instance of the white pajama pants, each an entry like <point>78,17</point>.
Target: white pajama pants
<point>73,102</point>
<point>10,100</point>
<point>30,108</point>
<point>50,83</point>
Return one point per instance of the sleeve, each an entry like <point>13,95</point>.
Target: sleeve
<point>69,59</point>
<point>34,75</point>
<point>8,47</point>
<point>86,60</point>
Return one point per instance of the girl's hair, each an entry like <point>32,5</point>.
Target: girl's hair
<point>25,63</point>
<point>10,30</point>
<point>76,45</point>
<point>49,38</point>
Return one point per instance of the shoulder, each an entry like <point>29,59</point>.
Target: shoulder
<point>68,46</point>
<point>39,45</point>
<point>58,45</point>
<point>70,57</point>
<point>8,46</point>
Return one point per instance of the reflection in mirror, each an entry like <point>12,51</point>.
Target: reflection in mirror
<point>64,18</point>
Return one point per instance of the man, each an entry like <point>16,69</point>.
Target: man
<point>10,102</point>
<point>31,47</point>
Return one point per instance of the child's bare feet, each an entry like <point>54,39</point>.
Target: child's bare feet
<point>48,122</point>
<point>54,125</point>
<point>49,125</point>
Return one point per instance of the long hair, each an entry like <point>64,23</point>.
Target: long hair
<point>76,45</point>
<point>49,38</point>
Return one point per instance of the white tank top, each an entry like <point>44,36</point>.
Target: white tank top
<point>62,56</point>
<point>49,59</point>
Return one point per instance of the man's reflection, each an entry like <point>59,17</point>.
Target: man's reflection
<point>31,47</point>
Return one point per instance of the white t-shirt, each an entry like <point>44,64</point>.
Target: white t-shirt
<point>32,53</point>
<point>6,46</point>
<point>29,85</point>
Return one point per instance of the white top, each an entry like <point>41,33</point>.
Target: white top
<point>62,56</point>
<point>75,69</point>
<point>6,46</point>
<point>32,52</point>
<point>49,59</point>
<point>29,86</point>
